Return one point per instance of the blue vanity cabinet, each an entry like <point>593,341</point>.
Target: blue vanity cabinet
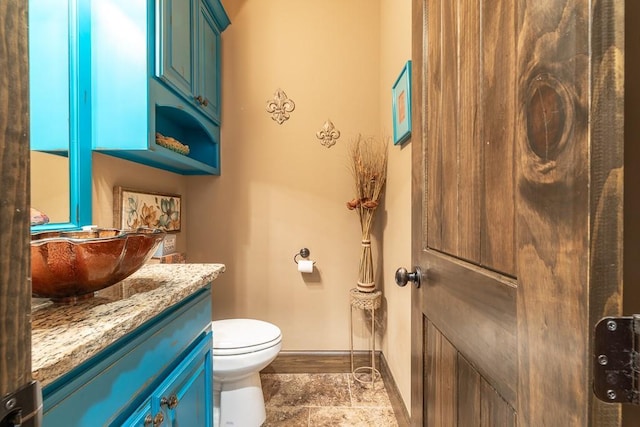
<point>161,369</point>
<point>188,41</point>
<point>152,74</point>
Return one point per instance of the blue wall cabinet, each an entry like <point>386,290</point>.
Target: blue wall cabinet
<point>149,81</point>
<point>160,370</point>
<point>188,40</point>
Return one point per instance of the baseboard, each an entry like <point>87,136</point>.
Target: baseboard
<point>399,408</point>
<point>322,362</point>
<point>318,362</point>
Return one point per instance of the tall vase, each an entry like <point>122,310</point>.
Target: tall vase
<point>365,274</point>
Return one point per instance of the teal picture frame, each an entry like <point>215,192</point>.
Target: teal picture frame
<point>401,105</point>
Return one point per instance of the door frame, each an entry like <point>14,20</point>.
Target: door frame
<point>15,289</point>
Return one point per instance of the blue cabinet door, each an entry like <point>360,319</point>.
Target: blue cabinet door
<point>209,64</point>
<point>175,61</point>
<point>188,49</point>
<point>185,397</point>
<point>141,418</point>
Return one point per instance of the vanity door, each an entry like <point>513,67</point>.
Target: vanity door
<point>185,398</point>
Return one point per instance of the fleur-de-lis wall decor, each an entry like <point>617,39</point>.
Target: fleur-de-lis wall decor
<point>328,135</point>
<point>280,107</point>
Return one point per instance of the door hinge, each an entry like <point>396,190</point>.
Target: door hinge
<point>616,360</point>
<point>22,408</point>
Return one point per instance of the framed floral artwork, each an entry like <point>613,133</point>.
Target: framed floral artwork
<point>133,209</point>
<point>401,105</point>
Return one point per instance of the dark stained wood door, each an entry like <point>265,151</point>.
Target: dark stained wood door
<point>517,208</point>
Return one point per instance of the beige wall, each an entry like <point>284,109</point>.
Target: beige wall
<point>50,185</point>
<point>111,171</point>
<point>281,190</point>
<point>395,50</point>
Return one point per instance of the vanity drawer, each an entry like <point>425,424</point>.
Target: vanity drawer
<point>121,375</point>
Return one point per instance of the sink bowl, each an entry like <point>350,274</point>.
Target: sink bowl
<point>71,265</point>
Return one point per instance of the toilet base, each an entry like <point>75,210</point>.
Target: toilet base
<point>239,403</point>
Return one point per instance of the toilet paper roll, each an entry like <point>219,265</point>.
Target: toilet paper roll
<point>305,266</point>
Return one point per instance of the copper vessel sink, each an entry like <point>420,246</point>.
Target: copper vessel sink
<point>71,265</point>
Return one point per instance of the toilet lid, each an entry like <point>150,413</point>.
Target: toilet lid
<point>238,336</point>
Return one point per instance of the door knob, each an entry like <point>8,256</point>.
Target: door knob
<point>403,276</point>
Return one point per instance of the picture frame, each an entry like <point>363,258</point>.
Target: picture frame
<point>401,105</point>
<point>134,208</point>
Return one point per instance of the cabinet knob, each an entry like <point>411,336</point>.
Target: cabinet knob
<point>170,402</point>
<point>201,100</point>
<point>148,420</point>
<point>159,419</point>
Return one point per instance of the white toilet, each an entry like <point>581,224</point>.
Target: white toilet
<point>241,348</point>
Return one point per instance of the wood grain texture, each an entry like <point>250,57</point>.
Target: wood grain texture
<point>606,179</point>
<point>432,128</point>
<point>479,405</point>
<point>631,63</point>
<point>441,394</point>
<point>498,108</point>
<point>470,104</point>
<point>469,386</point>
<point>553,213</point>
<point>493,410</point>
<point>476,310</point>
<point>469,169</point>
<point>418,342</point>
<point>15,290</point>
<point>449,144</point>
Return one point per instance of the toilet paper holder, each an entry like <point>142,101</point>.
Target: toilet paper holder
<point>303,253</point>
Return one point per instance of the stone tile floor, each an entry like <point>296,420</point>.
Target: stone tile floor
<point>325,400</point>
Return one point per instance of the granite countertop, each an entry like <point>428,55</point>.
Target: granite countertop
<point>63,336</point>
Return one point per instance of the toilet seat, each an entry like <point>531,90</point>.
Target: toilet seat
<point>241,336</point>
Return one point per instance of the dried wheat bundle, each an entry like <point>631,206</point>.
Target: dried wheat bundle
<point>368,163</point>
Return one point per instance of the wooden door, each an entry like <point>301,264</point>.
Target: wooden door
<point>517,208</point>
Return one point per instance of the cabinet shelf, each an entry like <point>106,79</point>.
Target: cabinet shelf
<point>202,139</point>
